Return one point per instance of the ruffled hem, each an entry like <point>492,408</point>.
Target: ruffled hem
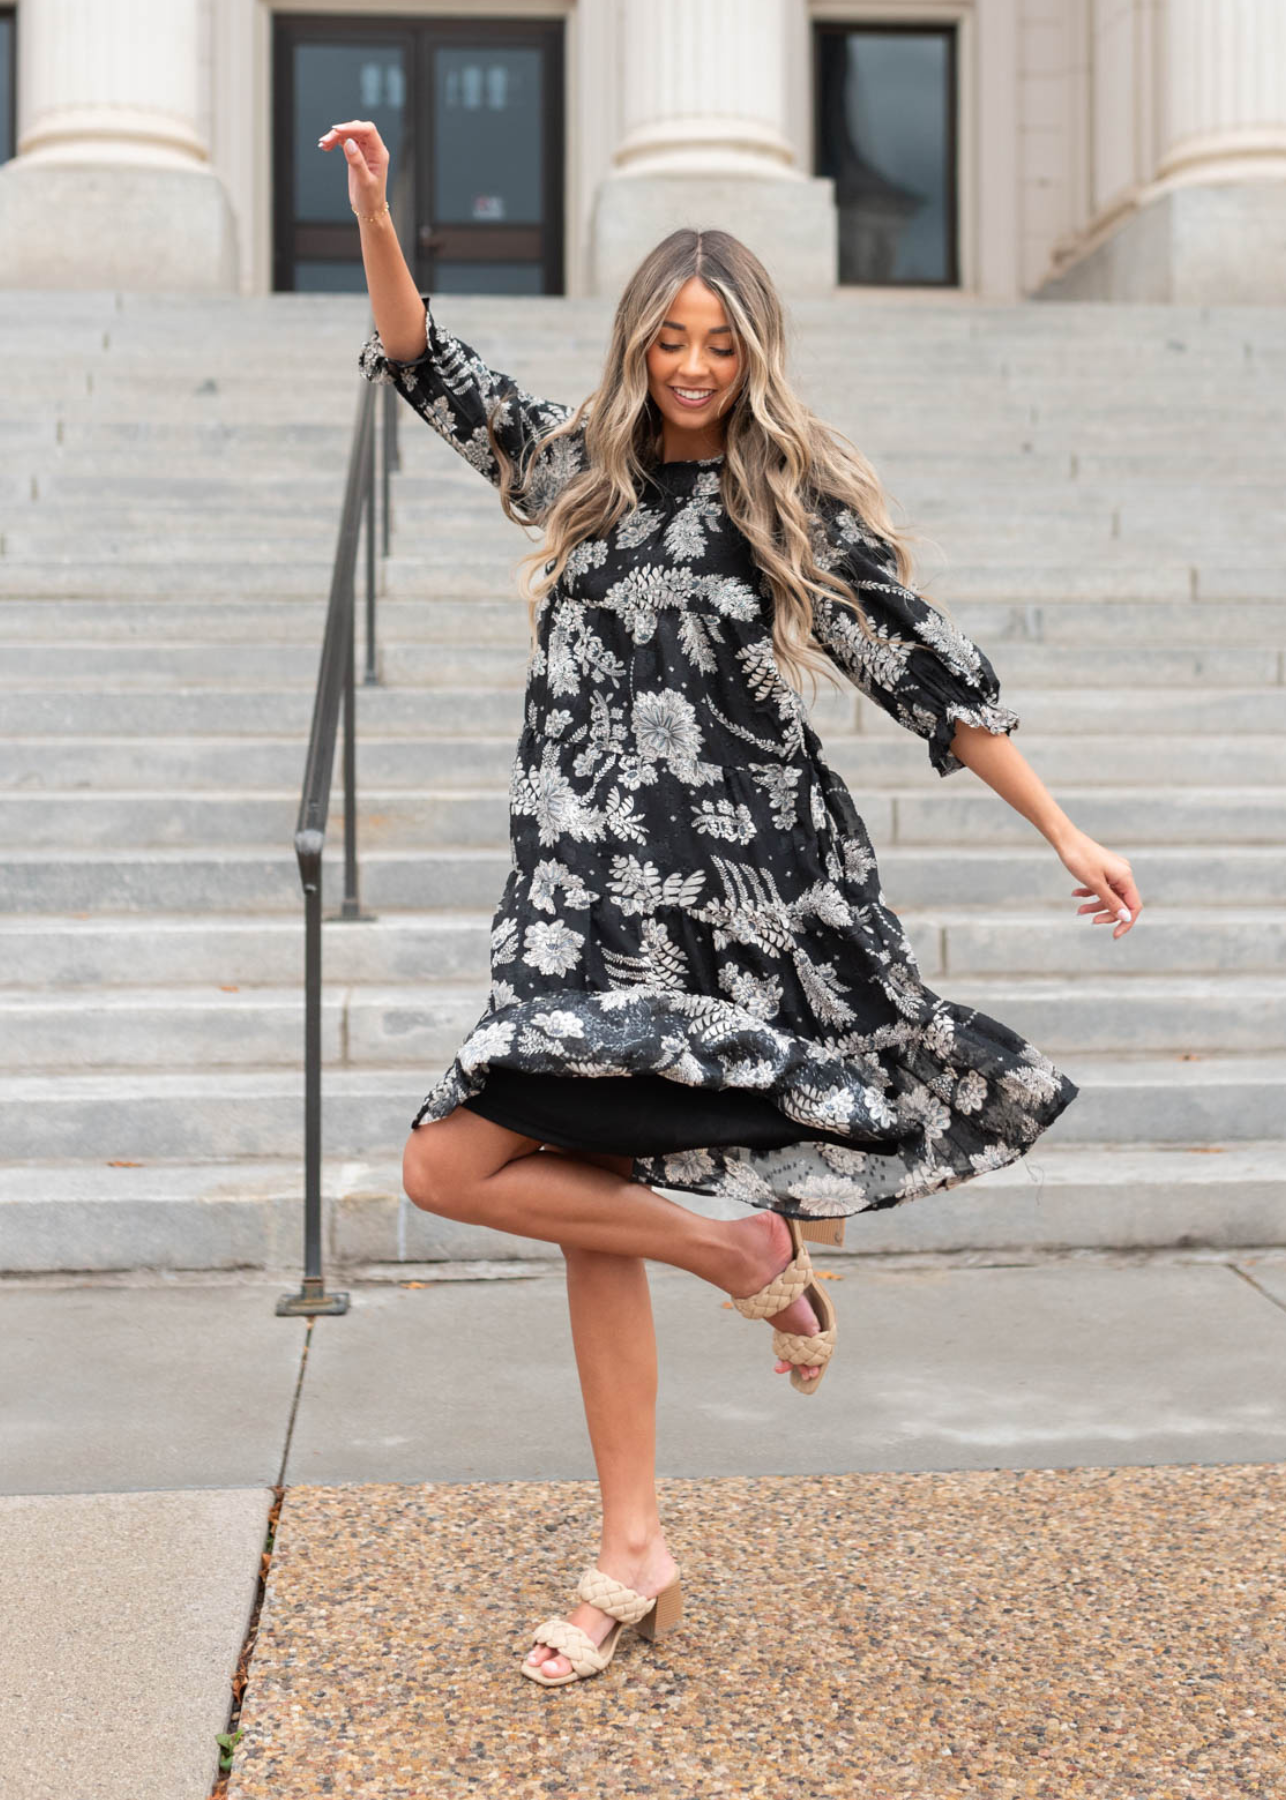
<point>991,715</point>
<point>375,363</point>
<point>920,1119</point>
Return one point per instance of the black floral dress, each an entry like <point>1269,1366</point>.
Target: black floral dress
<point>693,917</point>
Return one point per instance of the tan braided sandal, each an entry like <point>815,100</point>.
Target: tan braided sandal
<point>649,1615</point>
<point>796,1279</point>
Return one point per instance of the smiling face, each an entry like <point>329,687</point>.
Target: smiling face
<point>693,370</point>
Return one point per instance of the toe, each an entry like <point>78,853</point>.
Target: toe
<point>549,1662</point>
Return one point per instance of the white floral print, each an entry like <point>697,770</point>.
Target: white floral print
<point>693,895</point>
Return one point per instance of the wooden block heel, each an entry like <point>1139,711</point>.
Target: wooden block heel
<point>822,1231</point>
<point>665,1614</point>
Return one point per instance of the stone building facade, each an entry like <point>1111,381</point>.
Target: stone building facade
<point>1109,149</point>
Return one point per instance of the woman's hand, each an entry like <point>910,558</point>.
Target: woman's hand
<point>1107,880</point>
<point>367,159</point>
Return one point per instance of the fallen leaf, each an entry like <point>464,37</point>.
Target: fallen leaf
<point>120,1163</point>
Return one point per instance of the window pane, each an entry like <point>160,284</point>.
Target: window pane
<point>341,81</point>
<point>317,277</point>
<point>6,86</point>
<point>487,140</point>
<point>885,117</point>
<point>489,278</point>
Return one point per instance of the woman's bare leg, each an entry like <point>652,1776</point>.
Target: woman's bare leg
<point>615,1341</point>
<point>466,1168</point>
<point>463,1167</point>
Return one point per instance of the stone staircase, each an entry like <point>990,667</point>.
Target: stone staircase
<point>1100,492</point>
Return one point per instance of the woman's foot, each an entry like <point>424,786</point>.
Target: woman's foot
<point>648,1571</point>
<point>766,1242</point>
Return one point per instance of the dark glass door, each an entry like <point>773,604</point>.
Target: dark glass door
<point>885,111</point>
<point>472,110</point>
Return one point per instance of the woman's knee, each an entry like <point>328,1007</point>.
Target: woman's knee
<point>428,1175</point>
<point>447,1162</point>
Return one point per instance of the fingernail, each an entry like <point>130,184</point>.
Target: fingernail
<point>1124,913</point>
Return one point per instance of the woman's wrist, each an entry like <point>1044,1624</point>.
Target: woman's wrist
<point>1063,835</point>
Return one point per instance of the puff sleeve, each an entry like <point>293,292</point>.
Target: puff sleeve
<point>453,390</point>
<point>939,680</point>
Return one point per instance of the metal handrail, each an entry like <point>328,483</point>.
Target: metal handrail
<point>364,494</point>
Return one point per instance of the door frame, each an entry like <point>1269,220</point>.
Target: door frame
<point>828,28</point>
<point>11,13</point>
<point>418,35</point>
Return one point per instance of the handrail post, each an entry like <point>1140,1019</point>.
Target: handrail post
<point>351,907</point>
<point>312,1297</point>
<point>371,677</point>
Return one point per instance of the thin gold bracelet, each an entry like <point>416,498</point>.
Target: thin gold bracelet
<point>375,215</point>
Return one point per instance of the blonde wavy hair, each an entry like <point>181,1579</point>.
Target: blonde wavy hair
<point>778,457</point>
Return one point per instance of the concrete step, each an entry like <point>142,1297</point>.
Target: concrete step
<point>838,710</point>
<point>156,545</point>
<point>392,818</point>
<point>1225,473</point>
<point>1047,338</point>
<point>1034,667</point>
<point>896,418</point>
<point>479,622</point>
<point>191,1215</point>
<point>57,952</point>
<point>258,1111</point>
<point>1027,579</point>
<point>1039,496</point>
<point>210,764</point>
<point>235,712</point>
<point>995,382</point>
<point>121,376</point>
<point>78,574</point>
<point>39,531</point>
<point>226,1027</point>
<point>266,878</point>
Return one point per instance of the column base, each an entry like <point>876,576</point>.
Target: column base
<point>1203,244</point>
<point>791,225</point>
<point>115,225</point>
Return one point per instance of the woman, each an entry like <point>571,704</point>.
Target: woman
<point>693,918</point>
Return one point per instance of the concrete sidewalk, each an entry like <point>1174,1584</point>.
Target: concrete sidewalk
<point>430,1507</point>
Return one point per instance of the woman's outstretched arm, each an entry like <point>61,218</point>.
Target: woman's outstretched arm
<point>922,670</point>
<point>395,299</point>
<point>469,404</point>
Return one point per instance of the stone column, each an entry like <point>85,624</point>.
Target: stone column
<point>1224,108</point>
<point>1207,221</point>
<point>703,143</point>
<point>111,186</point>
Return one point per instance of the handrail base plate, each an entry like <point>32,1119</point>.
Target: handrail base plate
<point>305,1304</point>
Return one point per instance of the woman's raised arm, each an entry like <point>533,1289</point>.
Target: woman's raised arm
<point>439,375</point>
<point>395,300</point>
